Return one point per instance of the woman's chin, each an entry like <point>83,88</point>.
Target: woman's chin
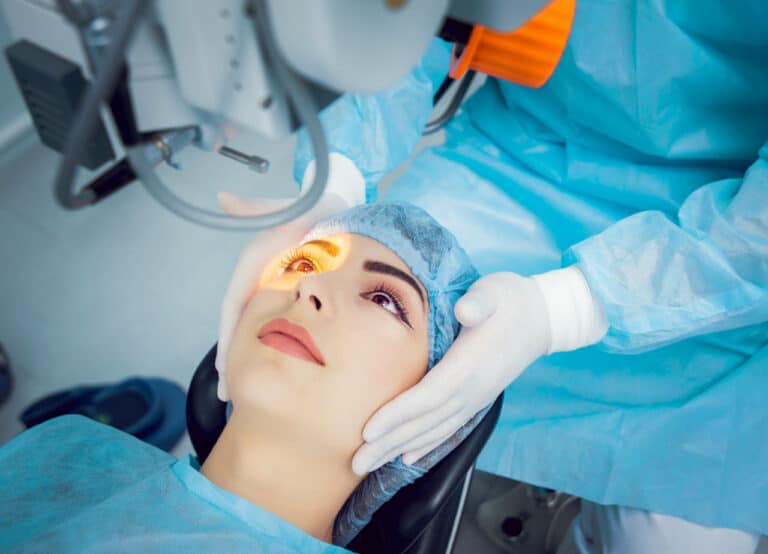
<point>267,384</point>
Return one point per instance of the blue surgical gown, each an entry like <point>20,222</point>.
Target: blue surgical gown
<point>644,160</point>
<point>74,485</point>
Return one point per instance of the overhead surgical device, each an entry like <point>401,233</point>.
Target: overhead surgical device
<point>124,85</point>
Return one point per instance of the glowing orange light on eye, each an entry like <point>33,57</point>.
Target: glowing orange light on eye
<point>275,269</point>
<point>302,266</point>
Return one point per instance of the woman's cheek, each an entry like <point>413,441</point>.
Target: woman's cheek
<point>399,367</point>
<point>390,358</point>
<point>381,368</point>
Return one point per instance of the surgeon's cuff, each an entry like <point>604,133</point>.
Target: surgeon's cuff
<point>344,179</point>
<point>576,316</point>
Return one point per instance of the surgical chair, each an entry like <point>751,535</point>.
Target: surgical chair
<point>422,518</point>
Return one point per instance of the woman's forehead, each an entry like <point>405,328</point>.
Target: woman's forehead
<point>360,248</point>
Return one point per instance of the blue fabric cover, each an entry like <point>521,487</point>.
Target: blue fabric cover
<point>71,485</point>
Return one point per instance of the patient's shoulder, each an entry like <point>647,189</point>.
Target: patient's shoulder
<point>67,424</point>
<point>57,470</point>
<point>72,424</point>
<point>74,440</point>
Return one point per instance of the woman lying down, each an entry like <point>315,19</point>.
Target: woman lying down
<point>354,316</point>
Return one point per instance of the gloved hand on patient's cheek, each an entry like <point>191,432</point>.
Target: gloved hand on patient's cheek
<point>509,321</point>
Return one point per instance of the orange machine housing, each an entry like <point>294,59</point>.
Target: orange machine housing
<point>527,56</point>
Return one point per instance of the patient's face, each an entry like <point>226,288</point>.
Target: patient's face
<point>334,330</point>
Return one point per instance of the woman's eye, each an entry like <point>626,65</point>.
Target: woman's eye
<point>302,265</point>
<point>385,301</point>
<point>390,302</point>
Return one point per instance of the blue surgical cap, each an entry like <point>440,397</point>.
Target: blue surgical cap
<point>435,258</point>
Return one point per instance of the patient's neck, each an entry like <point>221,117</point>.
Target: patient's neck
<point>290,479</point>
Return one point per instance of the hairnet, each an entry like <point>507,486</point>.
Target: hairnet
<point>435,258</point>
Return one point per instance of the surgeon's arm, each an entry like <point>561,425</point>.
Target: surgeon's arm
<point>379,131</point>
<point>661,281</point>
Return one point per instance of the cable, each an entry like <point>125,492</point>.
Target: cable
<point>444,86</point>
<point>88,114</point>
<point>306,112</point>
<point>436,124</point>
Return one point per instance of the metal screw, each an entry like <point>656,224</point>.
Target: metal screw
<point>256,163</point>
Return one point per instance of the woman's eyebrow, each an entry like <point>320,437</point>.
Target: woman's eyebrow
<point>328,247</point>
<point>381,267</point>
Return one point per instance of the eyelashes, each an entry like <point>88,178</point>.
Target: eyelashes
<point>299,260</point>
<point>289,261</point>
<point>384,290</point>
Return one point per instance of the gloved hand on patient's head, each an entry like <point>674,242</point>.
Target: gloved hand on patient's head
<point>509,321</point>
<point>254,257</point>
<point>345,188</point>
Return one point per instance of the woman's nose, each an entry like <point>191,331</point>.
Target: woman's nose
<point>312,290</point>
<point>313,299</point>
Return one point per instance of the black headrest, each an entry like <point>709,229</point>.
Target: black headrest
<point>399,522</point>
<point>206,414</point>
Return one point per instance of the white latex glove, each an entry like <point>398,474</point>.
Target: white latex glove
<point>508,322</point>
<point>345,188</point>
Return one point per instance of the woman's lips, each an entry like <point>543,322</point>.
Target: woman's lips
<point>290,339</point>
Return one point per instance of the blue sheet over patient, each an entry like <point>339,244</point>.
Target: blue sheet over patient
<point>74,485</point>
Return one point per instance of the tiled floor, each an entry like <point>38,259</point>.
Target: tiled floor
<point>474,537</point>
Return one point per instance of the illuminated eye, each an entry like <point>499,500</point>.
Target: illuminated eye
<point>301,265</point>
